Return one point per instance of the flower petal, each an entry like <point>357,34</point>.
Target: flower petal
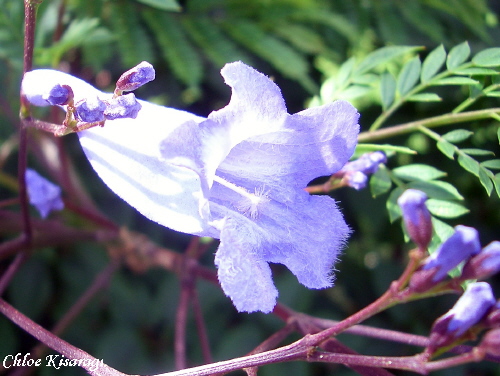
<point>244,276</point>
<point>315,142</point>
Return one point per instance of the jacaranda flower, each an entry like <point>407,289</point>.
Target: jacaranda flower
<point>237,175</point>
<point>43,195</point>
<point>468,311</point>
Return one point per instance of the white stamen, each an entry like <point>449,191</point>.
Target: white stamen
<point>249,206</point>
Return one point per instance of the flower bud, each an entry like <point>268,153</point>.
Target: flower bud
<point>43,195</point>
<point>136,77</point>
<point>469,310</point>
<point>90,110</point>
<point>367,163</point>
<point>355,179</point>
<point>491,342</point>
<point>416,216</point>
<point>124,106</point>
<point>58,95</point>
<point>485,264</point>
<point>459,247</point>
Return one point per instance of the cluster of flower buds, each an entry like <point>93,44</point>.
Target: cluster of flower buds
<point>43,195</point>
<point>471,309</point>
<point>416,216</point>
<point>355,174</point>
<point>91,111</point>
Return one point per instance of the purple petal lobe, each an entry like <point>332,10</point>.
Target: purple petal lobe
<point>416,216</point>
<point>244,276</point>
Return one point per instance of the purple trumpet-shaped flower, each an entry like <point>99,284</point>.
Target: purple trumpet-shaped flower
<point>459,247</point>
<point>491,342</point>
<point>237,175</point>
<point>43,195</point>
<point>136,77</point>
<point>469,310</point>
<point>416,216</point>
<point>124,106</point>
<point>484,264</point>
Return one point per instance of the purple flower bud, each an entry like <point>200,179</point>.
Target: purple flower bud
<point>485,264</point>
<point>136,77</point>
<point>355,179</point>
<point>124,106</point>
<point>469,310</point>
<point>367,163</point>
<point>43,194</point>
<point>491,342</point>
<point>90,110</point>
<point>416,216</point>
<point>58,95</point>
<point>463,244</point>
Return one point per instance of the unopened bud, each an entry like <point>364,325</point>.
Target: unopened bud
<point>90,110</point>
<point>469,310</point>
<point>355,179</point>
<point>491,342</point>
<point>484,264</point>
<point>459,247</point>
<point>416,216</point>
<point>124,106</point>
<point>136,77</point>
<point>58,95</point>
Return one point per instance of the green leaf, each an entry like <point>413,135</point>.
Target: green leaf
<point>442,229</point>
<point>458,55</point>
<point>387,90</point>
<point>168,5</point>
<point>445,209</point>
<point>469,164</point>
<point>454,81</point>
<point>473,151</point>
<point>446,148</point>
<point>345,71</point>
<point>457,135</point>
<point>492,163</point>
<point>433,63</point>
<point>472,71</point>
<point>487,58</point>
<point>392,204</point>
<point>409,75</point>
<point>302,37</point>
<point>380,182</point>
<point>437,189</point>
<point>284,58</point>
<point>496,181</point>
<point>175,47</point>
<point>353,92</point>
<point>493,94</point>
<point>416,171</point>
<point>485,180</point>
<point>363,148</point>
<point>209,37</point>
<point>498,134</point>
<point>424,97</point>
<point>382,55</point>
